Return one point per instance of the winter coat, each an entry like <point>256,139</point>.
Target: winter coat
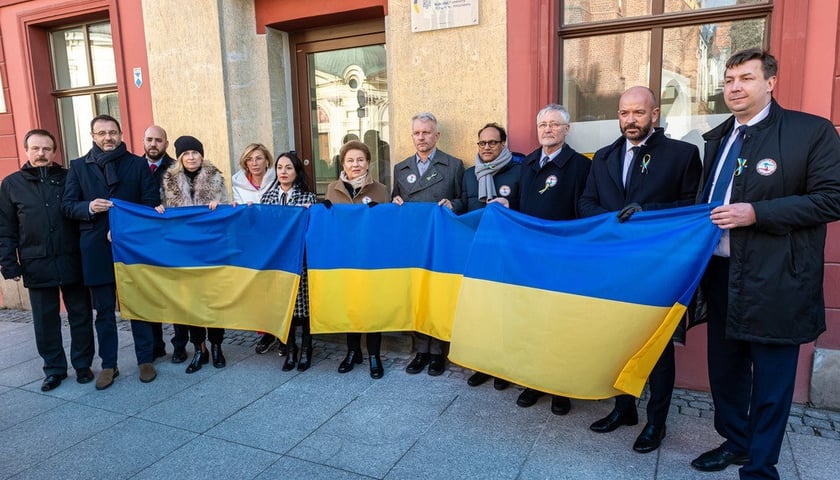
<point>371,191</point>
<point>36,240</point>
<point>244,192</point>
<point>87,181</point>
<point>792,180</point>
<point>208,186</point>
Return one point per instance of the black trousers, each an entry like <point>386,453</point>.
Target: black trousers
<point>426,344</point>
<point>181,336</point>
<point>199,334</point>
<point>752,383</point>
<point>46,307</point>
<point>374,342</point>
<point>661,382</point>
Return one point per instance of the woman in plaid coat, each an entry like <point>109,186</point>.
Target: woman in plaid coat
<point>291,189</point>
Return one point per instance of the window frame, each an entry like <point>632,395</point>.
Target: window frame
<point>656,23</point>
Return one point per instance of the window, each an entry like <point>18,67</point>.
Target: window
<point>84,81</point>
<point>676,47</point>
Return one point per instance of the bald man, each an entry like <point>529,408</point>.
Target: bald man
<point>642,170</point>
<point>155,143</point>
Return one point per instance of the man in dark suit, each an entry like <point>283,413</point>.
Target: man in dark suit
<point>107,171</point>
<point>430,175</point>
<point>642,170</point>
<point>777,173</point>
<point>553,178</point>
<point>40,245</point>
<point>155,144</point>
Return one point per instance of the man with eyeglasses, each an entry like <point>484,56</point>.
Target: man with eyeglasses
<point>430,175</point>
<point>155,144</point>
<point>552,181</point>
<point>493,179</point>
<point>108,171</point>
<point>642,170</point>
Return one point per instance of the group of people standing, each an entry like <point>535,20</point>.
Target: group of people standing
<point>772,175</point>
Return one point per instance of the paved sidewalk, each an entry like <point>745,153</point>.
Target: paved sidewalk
<point>250,420</point>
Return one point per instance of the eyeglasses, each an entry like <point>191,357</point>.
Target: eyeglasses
<point>109,133</point>
<point>551,125</point>
<point>488,143</point>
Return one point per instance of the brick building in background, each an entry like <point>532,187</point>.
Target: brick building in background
<point>304,75</point>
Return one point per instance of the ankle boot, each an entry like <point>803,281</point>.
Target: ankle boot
<point>218,357</point>
<point>376,370</point>
<point>353,357</point>
<point>305,352</point>
<point>200,358</point>
<point>291,355</point>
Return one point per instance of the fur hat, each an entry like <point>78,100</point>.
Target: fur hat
<point>185,143</point>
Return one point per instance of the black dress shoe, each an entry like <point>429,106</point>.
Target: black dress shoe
<point>84,375</point>
<point>528,397</point>
<point>437,364</point>
<point>477,378</point>
<point>500,384</point>
<point>560,405</point>
<point>615,419</point>
<point>718,459</point>
<point>376,370</point>
<point>418,364</point>
<point>650,438</point>
<point>218,357</point>
<point>351,360</point>
<point>200,358</point>
<point>52,381</point>
<point>179,355</point>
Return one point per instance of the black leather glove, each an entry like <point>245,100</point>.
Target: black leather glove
<point>628,212</point>
<point>327,203</point>
<point>372,204</point>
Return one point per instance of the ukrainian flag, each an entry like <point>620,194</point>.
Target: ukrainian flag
<point>387,268</point>
<point>230,268</point>
<point>582,308</point>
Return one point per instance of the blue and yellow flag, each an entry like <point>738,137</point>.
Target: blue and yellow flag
<point>583,308</point>
<point>230,268</point>
<point>385,269</point>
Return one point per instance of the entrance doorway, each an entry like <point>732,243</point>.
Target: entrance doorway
<point>341,94</point>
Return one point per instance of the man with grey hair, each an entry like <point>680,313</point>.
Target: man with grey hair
<point>553,179</point>
<point>430,175</point>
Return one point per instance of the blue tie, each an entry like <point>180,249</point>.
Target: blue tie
<point>728,169</point>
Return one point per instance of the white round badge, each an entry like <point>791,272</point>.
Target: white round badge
<point>551,181</point>
<point>504,190</point>
<point>766,167</point>
<point>366,200</point>
<point>411,178</point>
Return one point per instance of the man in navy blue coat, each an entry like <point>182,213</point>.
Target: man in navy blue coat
<point>642,170</point>
<point>108,171</point>
<point>777,173</point>
<point>155,144</point>
<point>552,181</point>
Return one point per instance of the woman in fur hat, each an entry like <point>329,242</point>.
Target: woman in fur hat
<point>192,180</point>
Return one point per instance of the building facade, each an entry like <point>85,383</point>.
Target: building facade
<point>306,76</point>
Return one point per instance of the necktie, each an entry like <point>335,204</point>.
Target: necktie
<point>728,168</point>
<point>152,167</point>
<point>629,170</point>
<point>543,161</point>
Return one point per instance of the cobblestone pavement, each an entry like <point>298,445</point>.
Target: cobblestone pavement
<point>804,419</point>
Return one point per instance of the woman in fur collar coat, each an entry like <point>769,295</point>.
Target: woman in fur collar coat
<point>192,180</point>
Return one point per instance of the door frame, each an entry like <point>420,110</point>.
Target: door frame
<point>303,43</point>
